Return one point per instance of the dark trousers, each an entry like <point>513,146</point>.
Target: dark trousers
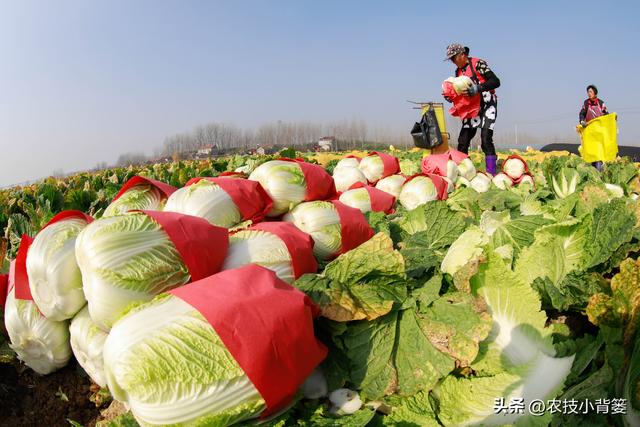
<point>486,140</point>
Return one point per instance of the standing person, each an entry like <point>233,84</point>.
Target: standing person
<point>485,82</point>
<point>592,108</point>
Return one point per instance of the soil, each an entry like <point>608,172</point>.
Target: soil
<point>29,399</point>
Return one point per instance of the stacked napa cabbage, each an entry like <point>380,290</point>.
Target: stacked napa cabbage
<point>167,363</point>
<point>391,184</point>
<point>418,191</point>
<point>138,197</point>
<point>124,259</point>
<point>284,182</point>
<point>262,248</point>
<point>41,343</point>
<point>54,276</point>
<point>321,221</point>
<point>205,199</point>
<point>87,343</point>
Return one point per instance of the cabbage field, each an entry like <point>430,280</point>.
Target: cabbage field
<point>393,288</point>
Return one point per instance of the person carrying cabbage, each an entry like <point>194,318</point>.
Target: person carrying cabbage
<point>484,83</point>
<point>592,108</point>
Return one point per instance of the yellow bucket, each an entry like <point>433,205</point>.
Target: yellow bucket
<point>599,139</point>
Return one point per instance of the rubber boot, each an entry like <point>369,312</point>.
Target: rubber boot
<point>597,165</point>
<point>491,163</point>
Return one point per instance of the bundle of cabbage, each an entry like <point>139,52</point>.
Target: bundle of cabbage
<point>422,189</point>
<point>87,343</point>
<point>133,257</point>
<point>224,202</point>
<point>515,167</point>
<point>392,184</point>
<point>481,182</point>
<point>290,182</point>
<point>379,165</point>
<point>334,227</point>
<point>278,246</point>
<point>367,199</point>
<point>460,83</point>
<point>348,161</point>
<point>502,181</point>
<point>54,277</point>
<point>137,194</point>
<point>345,176</point>
<point>42,344</point>
<point>194,356</point>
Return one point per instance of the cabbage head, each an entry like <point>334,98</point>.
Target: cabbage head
<point>321,221</point>
<point>138,197</point>
<point>284,182</point>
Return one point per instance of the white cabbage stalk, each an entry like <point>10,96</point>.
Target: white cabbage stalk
<point>467,169</point>
<point>450,185</point>
<point>392,185</point>
<point>169,366</point>
<point>452,170</point>
<point>125,259</point>
<point>357,198</point>
<point>502,181</point>
<point>262,248</point>
<point>42,344</point>
<point>346,176</point>
<point>567,183</point>
<point>321,221</point>
<point>514,168</point>
<point>347,162</point>
<point>614,190</point>
<point>54,276</point>
<point>138,197</point>
<point>207,200</point>
<point>418,191</point>
<point>461,83</point>
<point>462,182</point>
<point>87,343</point>
<point>284,182</point>
<point>481,183</point>
<point>345,401</point>
<point>372,167</point>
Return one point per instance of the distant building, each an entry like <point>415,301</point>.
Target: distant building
<point>205,151</point>
<point>327,143</point>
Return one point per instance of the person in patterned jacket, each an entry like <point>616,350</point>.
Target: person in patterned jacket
<point>484,82</point>
<point>592,107</point>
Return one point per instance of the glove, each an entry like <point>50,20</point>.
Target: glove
<point>473,89</point>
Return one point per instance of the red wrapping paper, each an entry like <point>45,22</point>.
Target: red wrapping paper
<point>21,280</point>
<point>267,326</point>
<point>441,186</point>
<point>249,196</point>
<point>354,228</point>
<point>4,288</point>
<point>202,246</point>
<point>437,163</point>
<point>390,163</point>
<point>298,243</point>
<point>69,214</point>
<point>381,201</point>
<point>351,156</point>
<point>465,107</point>
<point>165,189</point>
<point>526,166</point>
<point>320,185</point>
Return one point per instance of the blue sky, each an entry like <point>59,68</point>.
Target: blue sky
<point>85,81</point>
